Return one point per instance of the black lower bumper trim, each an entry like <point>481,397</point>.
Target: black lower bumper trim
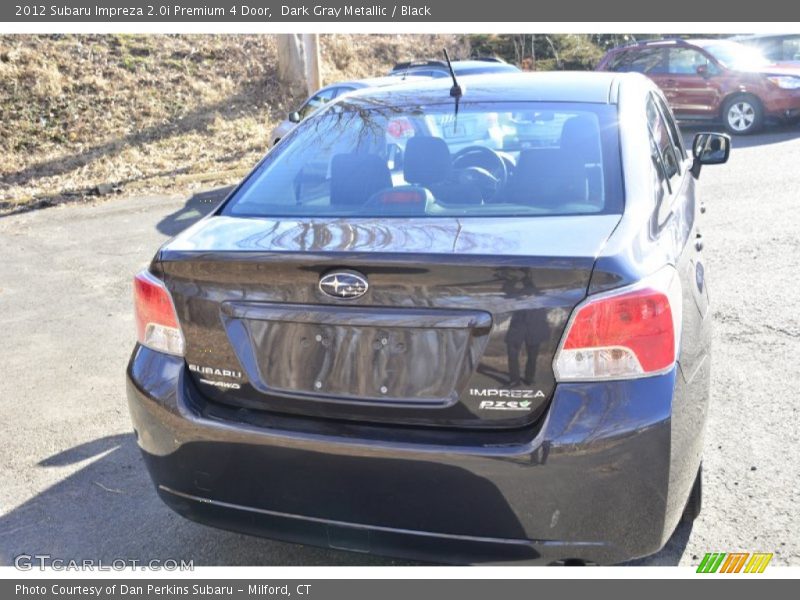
<point>353,537</point>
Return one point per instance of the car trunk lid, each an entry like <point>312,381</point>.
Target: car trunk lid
<point>457,327</point>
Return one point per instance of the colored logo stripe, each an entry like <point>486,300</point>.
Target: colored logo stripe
<point>733,562</point>
<point>711,562</point>
<point>758,562</point>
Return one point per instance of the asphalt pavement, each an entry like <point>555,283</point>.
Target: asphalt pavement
<point>74,485</point>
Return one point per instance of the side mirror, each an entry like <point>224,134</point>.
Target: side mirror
<point>709,149</point>
<point>703,71</point>
<point>294,117</point>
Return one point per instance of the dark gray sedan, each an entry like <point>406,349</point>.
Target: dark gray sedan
<point>452,323</point>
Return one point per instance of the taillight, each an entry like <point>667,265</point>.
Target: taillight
<point>628,333</point>
<point>156,322</point>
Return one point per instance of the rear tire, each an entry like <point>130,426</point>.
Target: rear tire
<point>742,115</point>
<point>695,502</point>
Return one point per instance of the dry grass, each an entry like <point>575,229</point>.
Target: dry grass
<point>154,113</point>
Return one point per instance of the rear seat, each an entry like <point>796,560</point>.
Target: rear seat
<point>572,173</point>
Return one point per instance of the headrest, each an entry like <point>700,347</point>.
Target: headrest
<point>580,135</point>
<point>356,177</point>
<point>427,160</point>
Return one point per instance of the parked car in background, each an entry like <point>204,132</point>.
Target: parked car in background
<point>777,48</point>
<point>465,348</point>
<point>714,79</point>
<point>438,68</point>
<point>325,95</point>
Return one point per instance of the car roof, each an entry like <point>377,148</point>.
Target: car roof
<point>710,42</point>
<point>552,86</point>
<point>701,42</point>
<point>762,36</point>
<point>440,64</point>
<point>374,82</point>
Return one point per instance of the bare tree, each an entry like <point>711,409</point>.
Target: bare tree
<point>313,74</point>
<point>291,61</point>
<point>555,52</point>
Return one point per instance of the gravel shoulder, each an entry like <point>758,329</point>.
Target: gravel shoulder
<point>74,486</point>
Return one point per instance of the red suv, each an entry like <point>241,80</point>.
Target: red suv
<point>714,79</point>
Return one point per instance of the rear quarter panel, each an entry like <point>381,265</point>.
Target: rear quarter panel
<point>640,247</point>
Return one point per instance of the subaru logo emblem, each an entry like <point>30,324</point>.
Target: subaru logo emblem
<point>347,285</point>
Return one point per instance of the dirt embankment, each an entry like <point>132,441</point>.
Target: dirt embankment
<point>89,115</point>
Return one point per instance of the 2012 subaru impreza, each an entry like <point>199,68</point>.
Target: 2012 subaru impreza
<point>457,323</point>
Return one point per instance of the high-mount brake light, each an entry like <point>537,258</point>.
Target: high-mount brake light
<point>156,321</point>
<point>624,334</point>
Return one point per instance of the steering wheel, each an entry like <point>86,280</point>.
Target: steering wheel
<point>483,167</point>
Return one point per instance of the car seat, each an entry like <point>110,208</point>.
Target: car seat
<point>356,177</point>
<point>551,178</point>
<point>427,163</point>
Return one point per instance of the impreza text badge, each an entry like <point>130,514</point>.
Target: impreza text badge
<point>347,285</point>
<point>516,398</point>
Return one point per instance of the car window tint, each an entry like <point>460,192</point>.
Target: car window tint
<point>341,90</point>
<point>618,61</point>
<point>684,61</point>
<point>649,61</point>
<point>790,49</point>
<point>358,158</point>
<point>316,101</point>
<point>672,127</point>
<point>666,153</point>
<point>419,72</point>
<point>772,49</point>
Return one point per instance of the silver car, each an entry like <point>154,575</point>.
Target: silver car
<point>328,93</point>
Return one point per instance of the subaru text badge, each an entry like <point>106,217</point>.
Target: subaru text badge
<point>347,285</point>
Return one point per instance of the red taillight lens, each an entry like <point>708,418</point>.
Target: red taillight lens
<point>156,322</point>
<point>630,333</point>
<point>640,321</point>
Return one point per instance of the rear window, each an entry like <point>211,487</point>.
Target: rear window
<point>360,158</point>
<point>489,67</point>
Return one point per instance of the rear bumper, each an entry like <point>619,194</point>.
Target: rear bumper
<point>594,481</point>
<point>356,537</point>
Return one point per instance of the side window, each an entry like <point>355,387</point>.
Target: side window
<point>684,61</point>
<point>425,73</point>
<point>341,91</point>
<point>772,49</point>
<point>672,128</point>
<point>316,101</point>
<point>649,61</point>
<point>665,155</point>
<point>619,61</point>
<point>790,48</point>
